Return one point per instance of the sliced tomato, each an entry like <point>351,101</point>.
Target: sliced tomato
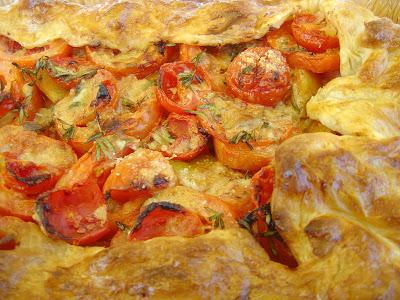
<point>166,219</point>
<point>313,33</point>
<point>136,62</point>
<point>298,57</point>
<point>28,178</point>
<point>259,75</point>
<point>13,52</point>
<point>179,84</point>
<point>77,215</point>
<point>179,137</point>
<point>139,175</point>
<point>7,241</point>
<point>263,185</point>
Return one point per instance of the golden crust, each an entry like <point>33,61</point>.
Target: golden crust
<point>132,24</point>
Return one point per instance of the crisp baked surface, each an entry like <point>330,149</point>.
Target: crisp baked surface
<point>336,199</point>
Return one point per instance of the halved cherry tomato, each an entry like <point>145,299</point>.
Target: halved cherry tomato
<point>179,137</point>
<point>259,75</point>
<point>139,112</point>
<point>77,215</point>
<point>76,116</point>
<point>263,185</point>
<point>7,241</point>
<point>241,157</point>
<point>136,62</point>
<point>166,219</point>
<point>245,135</point>
<point>328,61</point>
<point>179,84</point>
<point>311,33</point>
<point>298,57</point>
<point>213,61</point>
<point>28,178</point>
<point>28,57</point>
<point>138,175</point>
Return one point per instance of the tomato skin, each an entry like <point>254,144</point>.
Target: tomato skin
<point>274,245</point>
<point>316,63</point>
<point>263,185</point>
<point>309,34</point>
<point>7,241</point>
<point>166,219</point>
<point>248,79</point>
<point>168,79</point>
<point>27,178</point>
<point>167,54</point>
<point>77,216</point>
<point>57,48</point>
<point>241,157</point>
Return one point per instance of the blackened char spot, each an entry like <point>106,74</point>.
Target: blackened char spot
<point>103,96</point>
<point>160,181</point>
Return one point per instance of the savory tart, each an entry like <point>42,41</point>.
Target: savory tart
<point>199,150</point>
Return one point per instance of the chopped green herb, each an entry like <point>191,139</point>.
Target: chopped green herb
<point>265,124</point>
<point>198,58</point>
<point>243,136</point>
<point>186,78</point>
<point>246,70</point>
<point>123,227</point>
<point>216,218</point>
<point>103,145</point>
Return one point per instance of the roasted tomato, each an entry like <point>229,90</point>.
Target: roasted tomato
<point>179,137</point>
<point>328,61</point>
<point>179,85</point>
<point>77,215</point>
<point>13,52</point>
<point>212,210</point>
<point>259,75</point>
<point>263,185</point>
<point>77,116</point>
<point>271,240</point>
<point>139,175</point>
<point>298,57</point>
<point>207,175</point>
<point>137,62</point>
<point>166,219</point>
<point>57,75</point>
<point>29,178</point>
<point>313,33</point>
<point>7,241</point>
<point>32,162</point>
<point>139,111</point>
<point>245,135</point>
